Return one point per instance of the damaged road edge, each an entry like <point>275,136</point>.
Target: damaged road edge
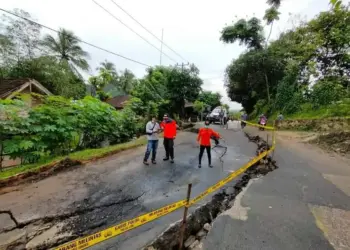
<point>198,222</point>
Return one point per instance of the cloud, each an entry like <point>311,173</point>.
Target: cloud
<point>192,28</point>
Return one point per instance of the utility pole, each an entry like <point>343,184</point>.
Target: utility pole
<point>182,66</point>
<point>161,49</point>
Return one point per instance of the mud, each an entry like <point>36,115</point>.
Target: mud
<point>198,223</point>
<point>338,142</point>
<point>322,125</point>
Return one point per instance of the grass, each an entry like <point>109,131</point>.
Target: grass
<point>341,109</point>
<point>95,153</point>
<point>83,156</point>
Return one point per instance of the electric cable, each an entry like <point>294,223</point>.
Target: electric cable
<point>78,39</point>
<point>150,32</point>
<point>116,18</point>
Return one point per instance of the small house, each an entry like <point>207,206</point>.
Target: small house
<point>118,102</point>
<point>9,88</point>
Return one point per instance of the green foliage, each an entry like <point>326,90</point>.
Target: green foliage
<point>336,4</point>
<point>274,3</point>
<point>209,98</point>
<point>83,155</point>
<point>199,106</point>
<point>66,48</point>
<point>246,32</point>
<point>53,127</point>
<point>56,77</point>
<point>25,35</point>
<point>327,92</point>
<point>183,85</point>
<point>283,71</point>
<point>271,15</point>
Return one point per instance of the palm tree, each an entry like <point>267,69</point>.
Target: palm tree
<point>109,66</point>
<point>274,3</point>
<point>67,49</point>
<point>126,81</point>
<point>271,15</point>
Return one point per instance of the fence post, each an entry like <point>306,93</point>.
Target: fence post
<point>183,225</point>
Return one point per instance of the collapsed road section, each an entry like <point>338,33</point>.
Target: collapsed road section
<point>87,200</point>
<point>198,222</point>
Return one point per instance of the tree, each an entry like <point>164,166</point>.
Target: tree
<point>336,4</point>
<point>199,107</point>
<point>126,81</point>
<point>66,48</point>
<point>274,3</point>
<point>270,16</point>
<point>56,76</point>
<point>250,34</point>
<point>100,81</point>
<point>245,32</point>
<point>23,35</point>
<point>109,66</point>
<point>226,107</point>
<point>209,98</point>
<point>183,85</point>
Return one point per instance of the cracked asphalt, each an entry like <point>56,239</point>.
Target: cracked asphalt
<point>304,204</point>
<point>117,188</point>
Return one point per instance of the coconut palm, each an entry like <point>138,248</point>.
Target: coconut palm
<point>67,49</point>
<point>274,3</point>
<point>271,15</point>
<point>126,81</point>
<point>109,66</point>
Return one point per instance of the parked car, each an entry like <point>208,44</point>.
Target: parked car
<point>214,116</point>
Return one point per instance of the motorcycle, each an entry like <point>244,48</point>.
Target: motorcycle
<point>262,123</point>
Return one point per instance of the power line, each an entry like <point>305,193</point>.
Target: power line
<point>79,40</point>
<point>160,40</point>
<point>116,18</point>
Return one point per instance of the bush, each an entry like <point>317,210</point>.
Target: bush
<point>60,125</point>
<point>325,92</point>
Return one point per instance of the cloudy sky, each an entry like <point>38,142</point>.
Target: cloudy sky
<point>191,28</point>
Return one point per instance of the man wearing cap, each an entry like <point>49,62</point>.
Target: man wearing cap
<point>204,136</point>
<point>169,127</point>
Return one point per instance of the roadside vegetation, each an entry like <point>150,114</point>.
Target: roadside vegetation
<point>76,122</point>
<point>304,74</point>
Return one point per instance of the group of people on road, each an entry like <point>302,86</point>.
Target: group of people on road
<point>169,127</point>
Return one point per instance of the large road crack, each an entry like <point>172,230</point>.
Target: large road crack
<point>63,216</point>
<point>220,202</point>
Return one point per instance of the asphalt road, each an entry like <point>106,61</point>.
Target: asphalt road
<point>120,187</point>
<point>304,204</point>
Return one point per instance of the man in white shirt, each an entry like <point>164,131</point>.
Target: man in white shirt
<point>152,128</point>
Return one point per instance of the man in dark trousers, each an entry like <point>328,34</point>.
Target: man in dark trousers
<point>169,127</point>
<point>204,136</point>
<point>152,128</point>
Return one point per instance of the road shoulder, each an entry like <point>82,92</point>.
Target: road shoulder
<point>304,204</point>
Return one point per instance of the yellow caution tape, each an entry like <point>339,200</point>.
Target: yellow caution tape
<point>230,177</point>
<point>93,239</point>
<point>257,125</point>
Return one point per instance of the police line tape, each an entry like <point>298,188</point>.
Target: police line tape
<point>230,177</point>
<point>258,125</point>
<point>93,239</point>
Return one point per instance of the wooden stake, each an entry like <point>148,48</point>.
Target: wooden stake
<point>183,225</point>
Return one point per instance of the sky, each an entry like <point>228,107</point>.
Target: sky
<point>191,28</point>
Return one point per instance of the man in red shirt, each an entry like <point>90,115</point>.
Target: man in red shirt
<point>204,136</point>
<point>169,127</point>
